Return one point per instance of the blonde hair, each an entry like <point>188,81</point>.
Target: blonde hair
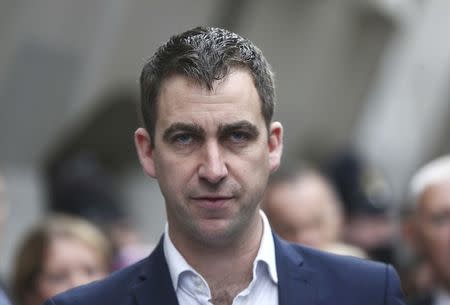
<point>31,253</point>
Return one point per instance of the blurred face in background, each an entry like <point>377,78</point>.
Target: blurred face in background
<point>304,211</point>
<point>68,263</point>
<point>433,229</point>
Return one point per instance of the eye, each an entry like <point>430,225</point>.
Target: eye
<point>238,136</point>
<point>56,277</point>
<point>440,219</point>
<point>183,139</point>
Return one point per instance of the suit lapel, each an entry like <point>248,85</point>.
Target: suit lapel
<point>296,284</point>
<point>155,284</point>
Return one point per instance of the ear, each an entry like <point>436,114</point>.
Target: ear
<point>275,145</point>
<point>145,151</point>
<point>410,233</point>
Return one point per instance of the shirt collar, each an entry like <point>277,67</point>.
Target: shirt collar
<point>266,254</point>
<point>175,261</point>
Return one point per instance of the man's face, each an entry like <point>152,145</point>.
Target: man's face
<point>212,156</point>
<point>433,224</point>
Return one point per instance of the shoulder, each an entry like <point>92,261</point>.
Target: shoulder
<point>337,265</point>
<point>348,277</point>
<point>117,288</point>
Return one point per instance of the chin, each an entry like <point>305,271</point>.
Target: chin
<point>214,234</point>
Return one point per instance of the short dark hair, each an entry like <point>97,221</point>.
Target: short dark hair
<point>204,55</point>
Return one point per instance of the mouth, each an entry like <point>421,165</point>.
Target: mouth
<point>212,202</point>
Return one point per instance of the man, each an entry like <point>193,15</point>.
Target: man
<point>430,226</point>
<point>3,298</point>
<point>303,207</point>
<point>207,104</point>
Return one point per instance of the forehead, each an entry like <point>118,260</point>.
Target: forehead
<point>232,98</point>
<point>436,196</point>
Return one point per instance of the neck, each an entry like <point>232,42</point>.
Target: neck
<point>225,265</point>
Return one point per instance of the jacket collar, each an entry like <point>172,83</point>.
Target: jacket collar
<point>296,282</point>
<point>155,285</point>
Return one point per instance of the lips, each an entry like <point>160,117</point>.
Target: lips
<point>212,202</point>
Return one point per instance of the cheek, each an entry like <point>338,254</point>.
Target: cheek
<point>434,244</point>
<point>255,162</point>
<point>259,171</point>
<point>170,167</point>
<point>174,180</point>
<point>440,244</point>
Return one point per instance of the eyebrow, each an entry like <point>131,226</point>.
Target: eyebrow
<point>182,127</point>
<point>198,130</point>
<point>240,125</point>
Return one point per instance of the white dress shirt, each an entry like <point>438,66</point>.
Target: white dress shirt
<point>192,289</point>
<point>442,297</point>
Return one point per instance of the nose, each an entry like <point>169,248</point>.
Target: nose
<point>213,167</point>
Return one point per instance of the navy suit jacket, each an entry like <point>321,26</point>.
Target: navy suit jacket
<point>305,277</point>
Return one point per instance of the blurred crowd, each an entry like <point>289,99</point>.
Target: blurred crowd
<point>346,208</point>
<point>85,237</point>
<point>343,207</point>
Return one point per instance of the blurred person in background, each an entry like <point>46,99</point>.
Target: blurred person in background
<point>415,272</point>
<point>81,186</point>
<point>429,226</point>
<point>3,298</point>
<point>60,253</point>
<point>368,206</point>
<point>128,245</point>
<point>303,207</point>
